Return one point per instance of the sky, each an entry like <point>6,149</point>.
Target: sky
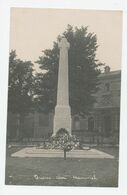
<point>33,30</point>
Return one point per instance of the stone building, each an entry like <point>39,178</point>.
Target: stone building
<point>101,126</point>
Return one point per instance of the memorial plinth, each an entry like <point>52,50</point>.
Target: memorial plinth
<point>62,116</point>
<point>34,152</point>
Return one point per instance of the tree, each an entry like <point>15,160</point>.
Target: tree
<point>20,88</point>
<point>62,140</point>
<point>84,69</point>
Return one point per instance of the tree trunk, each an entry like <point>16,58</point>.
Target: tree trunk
<point>64,154</point>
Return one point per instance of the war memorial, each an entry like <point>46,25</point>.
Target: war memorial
<point>62,117</point>
<point>84,154</point>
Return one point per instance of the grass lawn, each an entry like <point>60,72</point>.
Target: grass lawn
<point>60,172</point>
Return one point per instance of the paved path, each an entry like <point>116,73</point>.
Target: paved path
<point>34,152</point>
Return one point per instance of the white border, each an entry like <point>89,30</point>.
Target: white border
<point>4,52</point>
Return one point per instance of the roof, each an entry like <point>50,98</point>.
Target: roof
<point>110,74</point>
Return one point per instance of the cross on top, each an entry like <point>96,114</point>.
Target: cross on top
<point>64,43</point>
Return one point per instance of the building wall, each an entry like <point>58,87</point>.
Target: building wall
<point>108,94</point>
<point>107,106</point>
<point>43,124</point>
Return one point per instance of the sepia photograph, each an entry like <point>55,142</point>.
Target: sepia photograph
<point>64,92</point>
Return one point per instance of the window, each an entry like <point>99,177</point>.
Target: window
<point>90,124</point>
<point>107,86</point>
<point>107,125</point>
<point>106,100</point>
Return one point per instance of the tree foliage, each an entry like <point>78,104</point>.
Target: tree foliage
<point>84,69</point>
<point>20,89</point>
<point>20,85</point>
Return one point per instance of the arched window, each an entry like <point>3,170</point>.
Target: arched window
<point>91,124</point>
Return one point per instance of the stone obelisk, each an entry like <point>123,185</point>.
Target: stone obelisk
<point>62,117</point>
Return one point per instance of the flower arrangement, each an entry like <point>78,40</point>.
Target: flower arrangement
<point>63,140</point>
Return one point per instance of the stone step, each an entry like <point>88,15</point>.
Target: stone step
<point>33,152</point>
